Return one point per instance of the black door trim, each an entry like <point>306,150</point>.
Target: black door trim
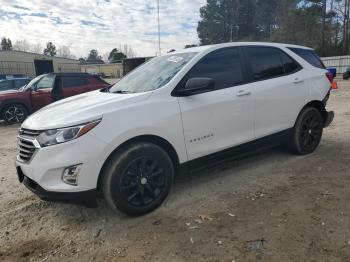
<point>237,151</point>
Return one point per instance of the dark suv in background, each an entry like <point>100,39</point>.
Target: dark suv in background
<point>44,89</point>
<point>346,74</point>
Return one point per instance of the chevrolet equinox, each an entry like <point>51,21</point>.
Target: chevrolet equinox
<point>129,140</point>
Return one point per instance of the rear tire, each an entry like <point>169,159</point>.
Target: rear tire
<point>137,179</point>
<point>14,113</point>
<point>307,132</point>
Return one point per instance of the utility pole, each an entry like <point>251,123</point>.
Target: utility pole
<point>159,50</point>
<point>324,15</point>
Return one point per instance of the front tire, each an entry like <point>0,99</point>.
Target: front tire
<point>307,132</point>
<point>137,179</point>
<point>14,113</point>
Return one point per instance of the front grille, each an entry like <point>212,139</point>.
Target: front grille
<point>26,144</point>
<point>28,133</point>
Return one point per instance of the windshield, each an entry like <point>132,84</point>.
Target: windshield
<point>153,74</point>
<point>32,82</point>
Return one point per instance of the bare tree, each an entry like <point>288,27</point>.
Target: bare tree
<point>64,51</point>
<point>22,45</point>
<point>127,50</point>
<point>36,48</point>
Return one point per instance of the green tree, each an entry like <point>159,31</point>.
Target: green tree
<point>6,44</point>
<point>321,24</point>
<point>115,55</point>
<point>50,49</point>
<point>226,20</point>
<point>94,57</point>
<point>305,24</point>
<point>266,18</point>
<point>82,60</point>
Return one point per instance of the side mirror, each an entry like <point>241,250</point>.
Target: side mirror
<point>197,85</point>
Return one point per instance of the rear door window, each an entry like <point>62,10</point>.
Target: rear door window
<point>224,66</point>
<point>289,64</point>
<point>74,81</point>
<point>265,62</point>
<point>309,55</point>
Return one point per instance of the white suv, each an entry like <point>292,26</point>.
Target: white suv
<point>128,141</point>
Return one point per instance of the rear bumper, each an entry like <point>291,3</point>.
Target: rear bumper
<point>85,198</point>
<point>329,118</point>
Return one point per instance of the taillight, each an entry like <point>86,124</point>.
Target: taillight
<point>330,77</point>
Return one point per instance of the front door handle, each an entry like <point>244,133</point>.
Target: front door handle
<point>297,81</point>
<point>243,93</point>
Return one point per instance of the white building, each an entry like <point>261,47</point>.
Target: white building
<point>32,64</point>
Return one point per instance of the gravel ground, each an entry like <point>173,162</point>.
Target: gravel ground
<point>270,206</point>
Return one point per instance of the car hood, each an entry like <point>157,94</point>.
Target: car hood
<point>80,109</point>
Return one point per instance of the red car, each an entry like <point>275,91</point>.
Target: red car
<point>15,106</point>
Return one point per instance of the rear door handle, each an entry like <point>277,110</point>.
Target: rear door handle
<point>243,93</point>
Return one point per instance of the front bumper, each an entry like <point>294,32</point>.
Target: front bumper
<point>42,174</point>
<point>47,164</point>
<point>85,198</point>
<point>329,118</point>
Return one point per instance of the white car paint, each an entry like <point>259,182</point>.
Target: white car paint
<point>278,101</point>
<point>224,118</point>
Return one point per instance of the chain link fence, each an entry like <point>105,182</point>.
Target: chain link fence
<point>341,63</point>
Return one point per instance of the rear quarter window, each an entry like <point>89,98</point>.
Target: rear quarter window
<point>309,55</point>
<point>290,66</point>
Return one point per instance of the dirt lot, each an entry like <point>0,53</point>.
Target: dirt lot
<point>294,208</point>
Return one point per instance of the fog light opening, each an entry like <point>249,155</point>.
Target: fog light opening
<point>70,175</point>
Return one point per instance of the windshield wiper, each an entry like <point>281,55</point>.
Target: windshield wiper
<point>105,89</point>
<point>122,92</point>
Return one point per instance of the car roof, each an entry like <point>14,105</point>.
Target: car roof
<point>203,48</point>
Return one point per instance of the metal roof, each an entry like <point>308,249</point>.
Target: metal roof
<point>17,51</point>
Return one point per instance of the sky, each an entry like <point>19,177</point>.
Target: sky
<point>83,25</point>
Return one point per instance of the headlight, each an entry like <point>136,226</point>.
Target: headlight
<point>61,135</point>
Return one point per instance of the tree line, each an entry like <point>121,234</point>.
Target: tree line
<point>116,54</point>
<point>23,45</point>
<point>321,24</point>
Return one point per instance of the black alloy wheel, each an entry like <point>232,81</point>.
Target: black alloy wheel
<point>307,131</point>
<point>311,131</point>
<point>137,178</point>
<point>142,181</point>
